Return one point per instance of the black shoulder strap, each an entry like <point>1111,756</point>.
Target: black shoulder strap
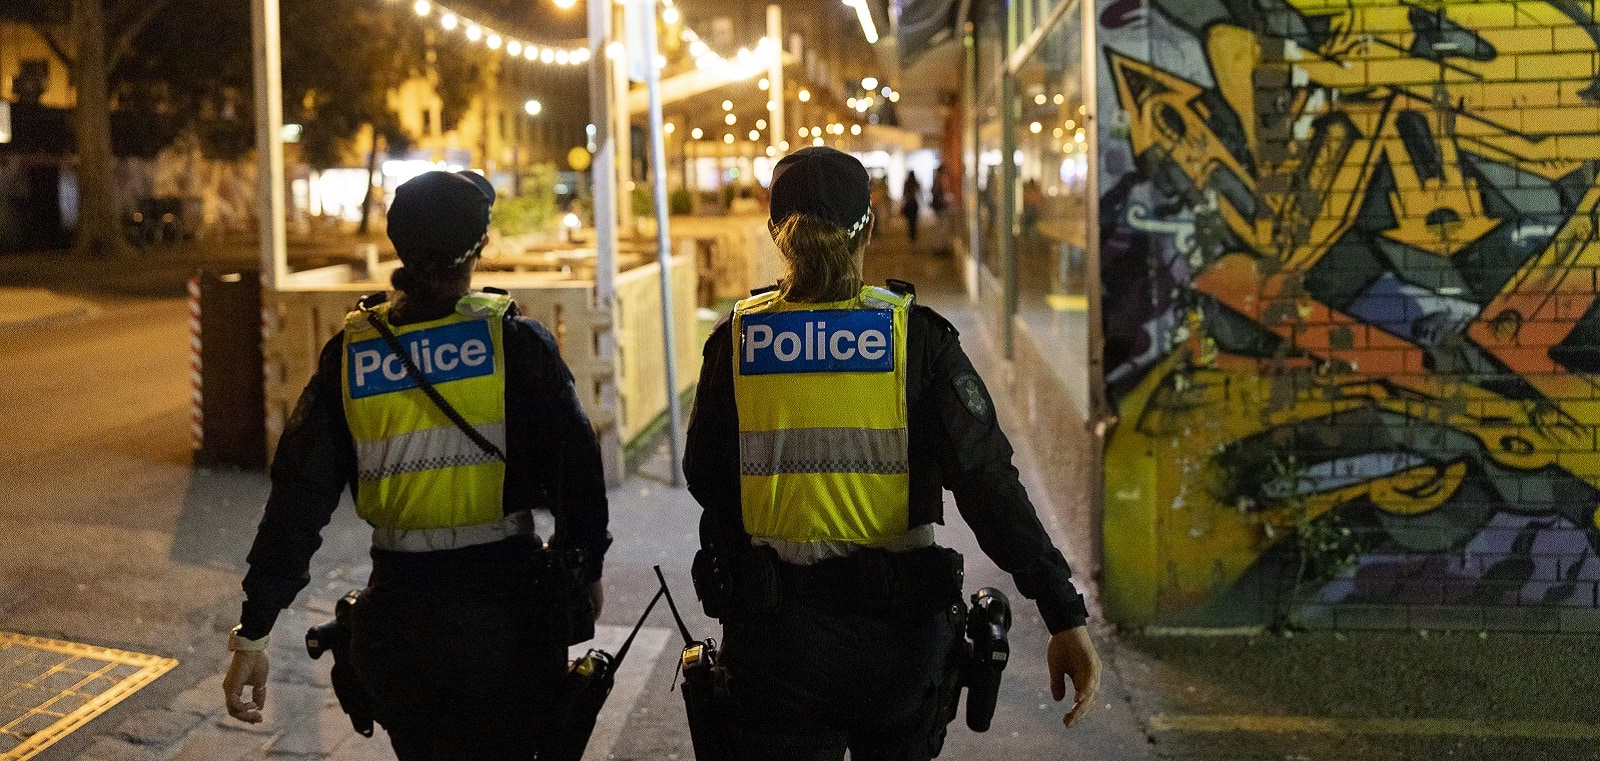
<point>423,383</point>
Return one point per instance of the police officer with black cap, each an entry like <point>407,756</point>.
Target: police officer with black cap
<point>829,418</point>
<point>449,417</point>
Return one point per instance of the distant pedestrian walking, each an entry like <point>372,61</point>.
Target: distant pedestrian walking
<point>911,204</point>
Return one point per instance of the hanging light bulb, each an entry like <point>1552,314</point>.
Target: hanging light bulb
<point>671,15</point>
<point>422,7</point>
<point>531,52</point>
<point>728,138</point>
<point>754,136</point>
<point>493,42</point>
<point>870,83</point>
<point>514,47</point>
<point>697,133</point>
<point>449,21</point>
<point>474,32</point>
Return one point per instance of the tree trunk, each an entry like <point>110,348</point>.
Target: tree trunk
<point>99,214</point>
<point>372,172</point>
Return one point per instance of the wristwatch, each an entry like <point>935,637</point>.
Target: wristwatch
<point>239,644</point>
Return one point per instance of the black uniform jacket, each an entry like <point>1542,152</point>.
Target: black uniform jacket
<point>955,444</point>
<point>553,461</point>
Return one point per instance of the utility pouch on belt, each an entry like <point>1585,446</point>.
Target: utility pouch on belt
<point>559,579</point>
<point>713,584</point>
<point>334,636</point>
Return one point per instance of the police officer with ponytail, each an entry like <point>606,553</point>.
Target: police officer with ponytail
<point>830,417</point>
<point>460,638</point>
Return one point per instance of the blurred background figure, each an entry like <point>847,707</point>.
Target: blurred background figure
<point>911,204</point>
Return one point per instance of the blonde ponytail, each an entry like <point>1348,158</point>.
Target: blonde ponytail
<point>821,259</point>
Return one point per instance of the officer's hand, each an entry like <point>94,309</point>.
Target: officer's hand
<point>1072,655</point>
<point>248,669</point>
<point>597,596</point>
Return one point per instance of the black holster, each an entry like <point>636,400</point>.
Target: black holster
<point>334,637</point>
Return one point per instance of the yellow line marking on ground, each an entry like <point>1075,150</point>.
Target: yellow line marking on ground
<point>92,680</point>
<point>1548,730</point>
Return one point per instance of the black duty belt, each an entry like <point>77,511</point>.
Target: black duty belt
<point>930,576</point>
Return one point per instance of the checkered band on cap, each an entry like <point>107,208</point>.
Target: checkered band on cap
<point>860,223</point>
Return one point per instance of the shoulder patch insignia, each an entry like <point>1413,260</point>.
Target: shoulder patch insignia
<point>302,408</point>
<point>970,389</point>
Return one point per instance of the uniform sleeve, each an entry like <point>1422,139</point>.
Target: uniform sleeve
<point>314,463</point>
<point>711,451</point>
<point>976,463</point>
<point>561,445</point>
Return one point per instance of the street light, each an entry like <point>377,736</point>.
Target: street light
<point>533,107</point>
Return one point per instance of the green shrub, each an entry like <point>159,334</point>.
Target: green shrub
<point>532,211</point>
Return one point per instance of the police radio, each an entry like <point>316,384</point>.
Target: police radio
<point>698,662</point>
<point>589,683</point>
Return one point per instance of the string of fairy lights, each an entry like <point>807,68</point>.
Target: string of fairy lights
<point>532,52</point>
<point>744,64</point>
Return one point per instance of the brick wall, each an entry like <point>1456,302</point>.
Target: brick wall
<point>1352,337</point>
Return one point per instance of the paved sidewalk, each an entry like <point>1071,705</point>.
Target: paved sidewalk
<point>28,308</point>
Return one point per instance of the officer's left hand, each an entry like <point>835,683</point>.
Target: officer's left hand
<point>597,596</point>
<point>1072,655</point>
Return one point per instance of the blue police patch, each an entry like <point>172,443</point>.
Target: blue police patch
<point>444,354</point>
<point>821,341</point>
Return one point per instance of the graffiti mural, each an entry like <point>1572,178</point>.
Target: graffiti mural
<point>1349,253</point>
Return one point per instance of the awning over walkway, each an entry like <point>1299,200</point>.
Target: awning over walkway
<point>927,24</point>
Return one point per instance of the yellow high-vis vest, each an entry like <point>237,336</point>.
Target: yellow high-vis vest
<point>415,468</point>
<point>821,394</point>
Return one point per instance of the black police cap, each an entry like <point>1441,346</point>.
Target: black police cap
<point>824,183</point>
<point>438,219</point>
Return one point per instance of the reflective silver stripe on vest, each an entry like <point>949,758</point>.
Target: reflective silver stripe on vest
<point>875,451</point>
<point>811,553</point>
<point>434,448</point>
<point>430,539</point>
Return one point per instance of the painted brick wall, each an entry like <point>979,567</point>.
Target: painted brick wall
<point>1352,335</point>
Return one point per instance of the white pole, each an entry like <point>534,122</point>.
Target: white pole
<point>267,48</point>
<point>658,176</point>
<point>775,94</point>
<point>603,187</point>
<point>622,123</point>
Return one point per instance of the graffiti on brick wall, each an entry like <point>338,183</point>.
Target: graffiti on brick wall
<point>1354,254</point>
